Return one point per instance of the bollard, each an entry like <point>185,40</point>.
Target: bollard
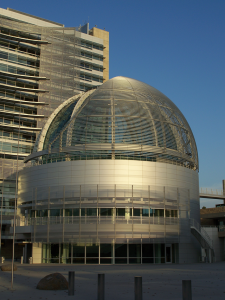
<point>71,283</point>
<point>21,260</point>
<point>30,260</point>
<point>101,286</point>
<point>186,290</point>
<point>138,288</point>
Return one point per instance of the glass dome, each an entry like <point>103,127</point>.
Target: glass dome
<point>122,119</point>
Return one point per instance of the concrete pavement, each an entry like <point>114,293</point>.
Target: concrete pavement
<point>159,281</point>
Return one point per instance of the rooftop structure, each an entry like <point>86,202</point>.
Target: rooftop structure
<point>124,118</point>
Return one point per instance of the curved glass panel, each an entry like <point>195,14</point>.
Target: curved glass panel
<point>127,113</point>
<point>58,123</point>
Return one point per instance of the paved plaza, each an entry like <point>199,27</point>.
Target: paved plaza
<point>159,281</point>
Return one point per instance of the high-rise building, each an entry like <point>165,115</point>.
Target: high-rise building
<point>42,64</point>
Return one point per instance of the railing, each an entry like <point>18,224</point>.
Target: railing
<point>211,192</point>
<point>20,51</point>
<point>196,225</point>
<point>106,156</point>
<point>96,220</point>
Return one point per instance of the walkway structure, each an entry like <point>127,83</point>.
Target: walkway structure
<point>213,194</point>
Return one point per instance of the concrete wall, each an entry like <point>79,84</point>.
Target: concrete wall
<point>104,35</point>
<point>37,253</point>
<point>190,251</point>
<point>28,18</point>
<point>218,243</point>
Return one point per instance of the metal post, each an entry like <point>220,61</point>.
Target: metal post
<point>71,275</point>
<point>1,210</point>
<point>21,260</point>
<point>25,254</point>
<point>186,290</point>
<point>138,288</point>
<point>101,286</point>
<point>223,190</point>
<point>15,203</point>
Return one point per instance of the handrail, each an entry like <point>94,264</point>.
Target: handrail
<point>211,191</point>
<point>9,74</point>
<point>197,226</point>
<point>20,39</point>
<point>32,221</point>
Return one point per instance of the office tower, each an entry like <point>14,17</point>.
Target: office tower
<point>42,64</point>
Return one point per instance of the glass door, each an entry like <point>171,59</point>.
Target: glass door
<point>168,254</point>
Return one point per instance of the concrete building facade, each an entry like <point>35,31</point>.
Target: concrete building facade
<point>42,64</point>
<point>213,222</point>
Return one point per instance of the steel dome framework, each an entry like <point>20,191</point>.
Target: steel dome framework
<point>122,119</point>
<point>124,182</point>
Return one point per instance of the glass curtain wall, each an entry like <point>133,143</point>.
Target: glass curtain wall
<point>109,253</point>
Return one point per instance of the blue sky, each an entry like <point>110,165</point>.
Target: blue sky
<point>177,46</point>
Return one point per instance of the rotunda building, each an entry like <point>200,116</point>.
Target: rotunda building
<point>114,179</point>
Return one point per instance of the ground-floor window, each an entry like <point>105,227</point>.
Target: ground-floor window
<point>110,253</point>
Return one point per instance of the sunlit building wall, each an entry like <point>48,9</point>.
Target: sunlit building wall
<point>42,64</point>
<point>114,179</point>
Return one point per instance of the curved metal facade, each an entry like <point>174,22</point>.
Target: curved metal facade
<point>111,202</point>
<point>116,168</point>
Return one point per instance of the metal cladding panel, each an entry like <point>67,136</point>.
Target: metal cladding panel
<point>76,172</point>
<point>54,188</point>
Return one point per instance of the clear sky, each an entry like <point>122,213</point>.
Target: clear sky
<point>177,46</point>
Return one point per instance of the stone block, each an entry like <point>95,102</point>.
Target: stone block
<point>8,267</point>
<point>54,281</point>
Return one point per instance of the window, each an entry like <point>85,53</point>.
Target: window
<point>171,213</point>
<point>91,211</point>
<point>42,213</point>
<point>145,212</point>
<point>55,212</point>
<point>120,253</point>
<point>136,212</point>
<point>106,211</point>
<point>6,134</point>
<point>68,212</point>
<point>147,253</point>
<point>95,46</point>
<point>135,253</point>
<point>6,147</point>
<point>158,212</point>
<point>3,55</point>
<point>120,212</point>
<point>78,254</point>
<point>76,212</point>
